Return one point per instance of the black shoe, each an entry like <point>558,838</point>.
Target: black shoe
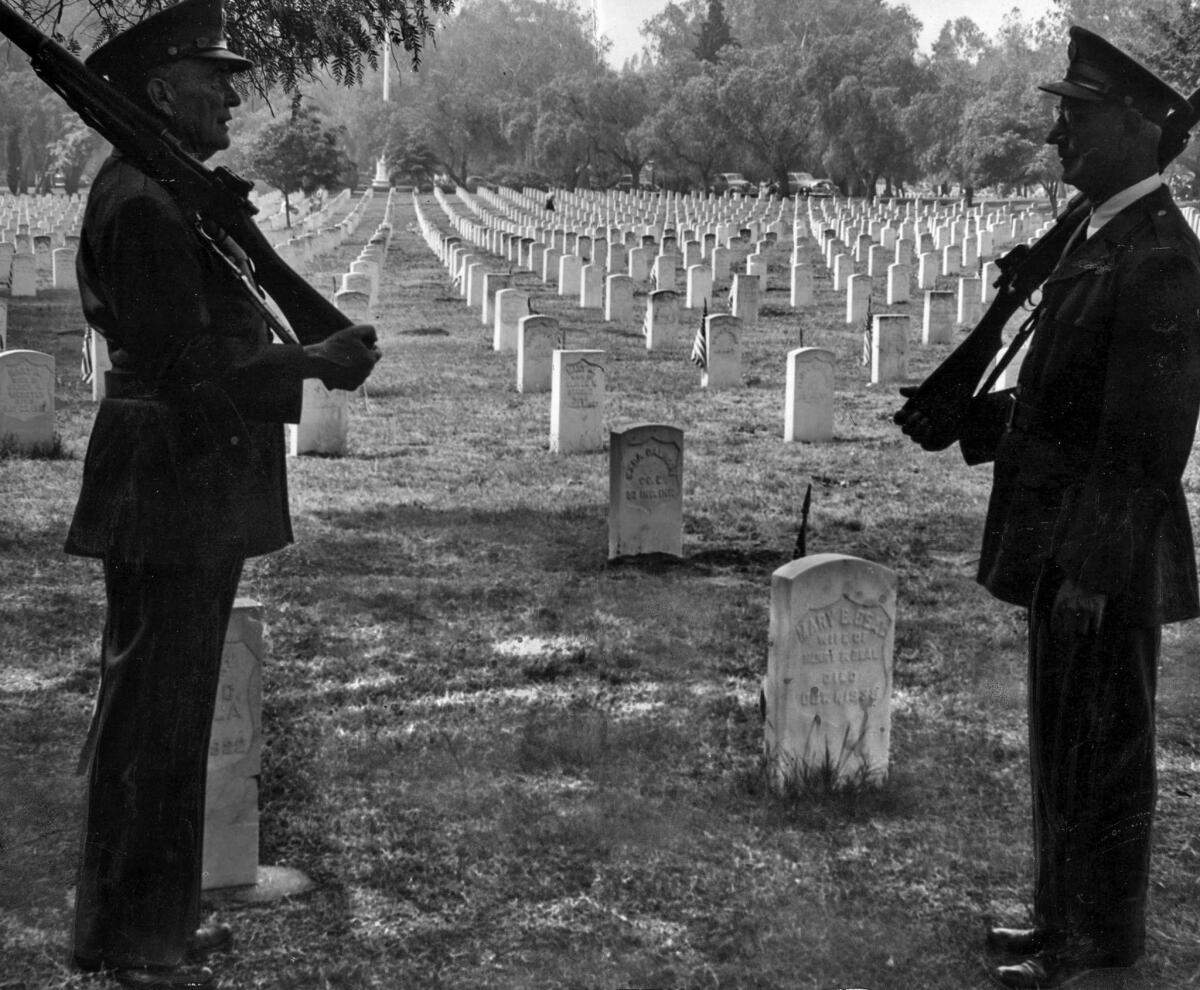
<point>209,939</point>
<point>1023,942</point>
<point>166,978</point>
<point>1061,966</point>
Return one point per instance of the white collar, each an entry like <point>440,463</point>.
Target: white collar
<point>1126,197</point>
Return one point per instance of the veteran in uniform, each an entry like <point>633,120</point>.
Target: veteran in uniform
<point>1087,525</point>
<point>184,478</point>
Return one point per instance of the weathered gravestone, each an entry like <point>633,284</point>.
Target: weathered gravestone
<point>235,755</point>
<point>493,282</point>
<point>569,274</point>
<point>26,399</point>
<point>618,299</point>
<point>324,425</point>
<point>828,687</point>
<point>858,298</point>
<point>537,337</point>
<point>354,304</point>
<point>577,402</point>
<point>662,319</point>
<point>64,268</point>
<point>938,324</point>
<point>645,491</point>
<point>591,287</point>
<point>802,286</point>
<point>699,286</point>
<point>743,300</point>
<point>889,348</point>
<point>897,284</point>
<point>511,306</point>
<point>23,281</point>
<point>723,345</point>
<point>808,402</point>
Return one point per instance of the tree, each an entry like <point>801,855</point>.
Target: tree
<point>288,42</point>
<point>300,154</point>
<point>671,33</point>
<point>70,154</point>
<point>688,130</point>
<point>766,107</point>
<point>715,33</point>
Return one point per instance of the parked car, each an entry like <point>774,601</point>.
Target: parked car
<point>474,183</point>
<point>733,182</point>
<point>806,184</point>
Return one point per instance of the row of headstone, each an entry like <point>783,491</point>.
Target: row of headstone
<point>828,684</point>
<point>808,413</point>
<point>324,426</point>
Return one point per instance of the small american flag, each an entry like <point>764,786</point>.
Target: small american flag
<point>700,345</point>
<point>86,371</point>
<point>866,335</point>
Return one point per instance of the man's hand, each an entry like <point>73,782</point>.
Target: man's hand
<point>1076,611</point>
<point>912,422</point>
<point>345,358</point>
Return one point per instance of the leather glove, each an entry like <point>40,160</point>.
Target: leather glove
<point>345,358</point>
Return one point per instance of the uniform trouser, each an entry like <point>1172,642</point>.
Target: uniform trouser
<point>138,895</point>
<point>1091,742</point>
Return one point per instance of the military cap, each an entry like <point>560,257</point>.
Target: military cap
<point>190,29</point>
<point>1100,72</point>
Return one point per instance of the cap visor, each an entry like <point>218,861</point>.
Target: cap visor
<point>235,62</point>
<point>1071,90</point>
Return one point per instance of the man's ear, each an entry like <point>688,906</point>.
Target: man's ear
<point>161,96</point>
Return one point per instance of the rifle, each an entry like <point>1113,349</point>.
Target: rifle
<point>944,396</point>
<point>217,198</point>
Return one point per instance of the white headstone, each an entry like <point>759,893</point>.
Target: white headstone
<point>27,399</point>
<point>938,324</point>
<point>618,299</point>
<point>858,298</point>
<point>493,282</point>
<point>24,276</point>
<point>645,494</point>
<point>663,273</point>
<point>802,286</point>
<point>969,305</point>
<point>537,337</point>
<point>808,403</point>
<point>927,271</point>
<point>64,268</point>
<point>897,284</point>
<point>511,306</point>
<point>569,269</point>
<point>662,319</point>
<point>699,286</point>
<point>230,845</point>
<point>324,421</point>
<point>889,348</point>
<point>743,300</point>
<point>577,402</point>
<point>829,670</point>
<point>724,345</point>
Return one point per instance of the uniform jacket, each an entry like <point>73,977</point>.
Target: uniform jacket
<point>1087,474</point>
<point>190,456</point>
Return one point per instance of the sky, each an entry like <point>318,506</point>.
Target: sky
<point>621,19</point>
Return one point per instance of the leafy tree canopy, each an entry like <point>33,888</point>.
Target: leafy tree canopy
<point>288,40</point>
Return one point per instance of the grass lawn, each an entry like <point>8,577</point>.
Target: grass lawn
<point>508,764</point>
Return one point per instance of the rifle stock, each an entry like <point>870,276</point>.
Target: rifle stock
<point>941,400</point>
<point>214,195</point>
